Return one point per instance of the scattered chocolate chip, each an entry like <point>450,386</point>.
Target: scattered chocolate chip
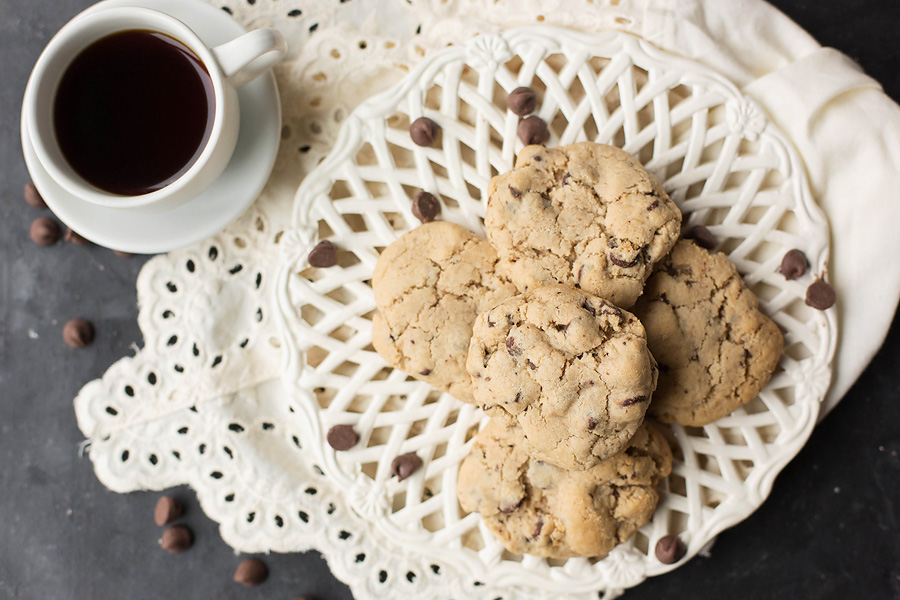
<point>669,549</point>
<point>425,207</point>
<point>794,264</point>
<point>323,255</point>
<point>423,131</point>
<point>635,400</point>
<point>251,572</point>
<point>33,196</point>
<point>531,365</point>
<point>514,192</point>
<point>342,437</point>
<point>566,178</point>
<point>405,465</point>
<point>622,263</point>
<point>425,372</point>
<point>123,254</point>
<point>73,237</point>
<point>167,510</point>
<point>511,347</point>
<point>653,205</point>
<point>820,295</point>
<point>78,333</point>
<point>521,101</point>
<point>702,236</point>
<point>592,422</point>
<point>177,538</point>
<point>586,306</point>
<point>45,231</point>
<point>533,130</point>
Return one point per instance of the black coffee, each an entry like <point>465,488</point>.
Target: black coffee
<point>134,111</point>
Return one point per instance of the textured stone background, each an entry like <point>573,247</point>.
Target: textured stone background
<point>829,530</point>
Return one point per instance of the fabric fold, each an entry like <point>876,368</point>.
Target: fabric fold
<point>847,132</point>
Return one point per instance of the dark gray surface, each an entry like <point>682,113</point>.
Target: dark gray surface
<point>829,530</point>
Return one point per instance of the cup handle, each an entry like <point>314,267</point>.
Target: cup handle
<point>244,58</point>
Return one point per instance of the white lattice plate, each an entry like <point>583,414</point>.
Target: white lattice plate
<point>721,160</point>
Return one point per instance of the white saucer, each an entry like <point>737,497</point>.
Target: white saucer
<point>224,201</point>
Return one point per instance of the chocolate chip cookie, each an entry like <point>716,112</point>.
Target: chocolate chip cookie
<point>715,349</point>
<point>536,508</point>
<point>586,215</point>
<point>429,286</point>
<point>572,369</point>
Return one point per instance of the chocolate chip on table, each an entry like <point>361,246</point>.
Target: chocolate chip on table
<point>251,572</point>
<point>78,333</point>
<point>794,264</point>
<point>33,196</point>
<point>177,538</point>
<point>820,295</point>
<point>323,255</point>
<point>533,130</point>
<point>45,231</point>
<point>167,510</point>
<point>669,549</point>
<point>702,236</point>
<point>425,206</point>
<point>405,465</point>
<point>521,101</point>
<point>342,437</point>
<point>73,237</point>
<point>423,131</point>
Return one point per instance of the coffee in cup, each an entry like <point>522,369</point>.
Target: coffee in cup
<point>133,112</point>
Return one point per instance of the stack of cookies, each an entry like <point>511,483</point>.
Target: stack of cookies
<point>534,326</point>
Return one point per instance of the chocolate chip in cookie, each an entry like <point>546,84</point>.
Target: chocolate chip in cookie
<point>521,101</point>
<point>423,131</point>
<point>425,206</point>
<point>820,295</point>
<point>533,130</point>
<point>794,264</point>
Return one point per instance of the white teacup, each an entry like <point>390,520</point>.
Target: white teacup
<point>230,65</point>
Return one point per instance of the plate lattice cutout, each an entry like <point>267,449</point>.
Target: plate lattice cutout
<point>720,159</point>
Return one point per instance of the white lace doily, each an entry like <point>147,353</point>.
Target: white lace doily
<point>201,403</point>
